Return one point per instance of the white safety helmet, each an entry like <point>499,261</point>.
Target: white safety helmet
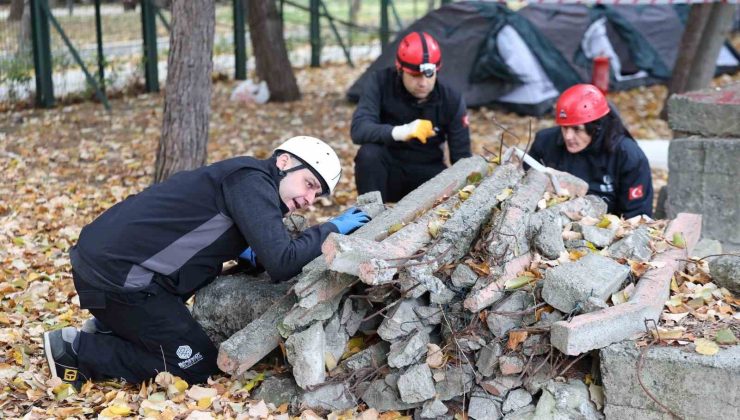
<point>318,156</point>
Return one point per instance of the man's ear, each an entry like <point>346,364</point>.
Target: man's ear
<point>283,161</point>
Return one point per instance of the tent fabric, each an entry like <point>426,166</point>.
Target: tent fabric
<point>522,60</point>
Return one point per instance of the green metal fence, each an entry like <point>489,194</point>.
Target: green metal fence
<point>60,50</point>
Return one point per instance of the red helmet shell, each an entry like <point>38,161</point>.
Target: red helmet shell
<point>415,49</point>
<point>580,104</point>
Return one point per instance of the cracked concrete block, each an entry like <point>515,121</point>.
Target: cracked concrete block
<point>305,351</point>
<point>524,413</point>
<point>694,386</point>
<point>501,385</point>
<point>484,406</point>
<point>571,400</point>
<point>401,321</point>
<point>429,315</point>
<point>336,339</point>
<point>546,231</point>
<point>277,390</point>
<point>501,324</point>
<point>590,205</point>
<point>517,398</point>
<point>454,381</point>
<point>352,314</point>
<point>635,246</point>
<point>408,351</point>
<point>600,237</point>
<point>371,357</point>
<point>726,272</point>
<point>710,112</point>
<point>463,276</point>
<point>536,344</point>
<point>488,358</point>
<point>571,284</point>
<point>330,397</point>
<point>433,409</point>
<point>483,295</point>
<point>383,396</point>
<point>510,364</point>
<point>574,185</point>
<point>416,384</point>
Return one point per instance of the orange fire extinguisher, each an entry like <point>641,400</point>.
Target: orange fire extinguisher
<point>600,74</point>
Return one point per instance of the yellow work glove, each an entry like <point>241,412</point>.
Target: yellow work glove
<point>417,129</point>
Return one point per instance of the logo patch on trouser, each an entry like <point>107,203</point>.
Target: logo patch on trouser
<point>70,375</point>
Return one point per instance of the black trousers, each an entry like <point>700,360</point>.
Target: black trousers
<point>153,331</point>
<point>377,170</point>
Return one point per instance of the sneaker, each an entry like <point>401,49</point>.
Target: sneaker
<point>94,326</point>
<point>62,357</point>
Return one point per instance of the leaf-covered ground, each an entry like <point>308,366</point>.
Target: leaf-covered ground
<point>62,167</point>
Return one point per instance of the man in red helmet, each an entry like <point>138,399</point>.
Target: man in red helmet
<point>591,143</point>
<point>404,117</point>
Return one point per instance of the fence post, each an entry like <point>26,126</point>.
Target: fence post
<point>149,35</point>
<point>42,54</point>
<point>240,45</point>
<point>383,24</point>
<point>315,31</point>
<point>99,38</point>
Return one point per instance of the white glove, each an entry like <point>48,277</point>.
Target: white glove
<point>417,129</point>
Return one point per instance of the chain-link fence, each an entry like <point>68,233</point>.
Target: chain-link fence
<point>108,38</point>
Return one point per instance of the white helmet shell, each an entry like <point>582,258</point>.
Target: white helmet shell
<point>316,154</point>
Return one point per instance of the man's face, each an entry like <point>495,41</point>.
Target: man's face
<point>298,189</point>
<point>576,138</point>
<point>418,85</point>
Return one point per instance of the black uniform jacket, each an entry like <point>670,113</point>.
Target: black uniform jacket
<point>180,232</point>
<point>621,177</point>
<point>386,103</point>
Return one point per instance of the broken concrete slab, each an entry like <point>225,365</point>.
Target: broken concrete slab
<point>382,395</point>
<point>508,238</point>
<point>710,112</point>
<point>463,276</point>
<point>408,351</point>
<point>336,339</point>
<point>433,409</point>
<point>305,352</point>
<point>546,233</point>
<point>487,358</point>
<point>575,186</point>
<point>635,246</point>
<point>482,297</point>
<point>500,324</point>
<point>574,210</point>
<point>516,399</point>
<point>416,384</point>
<point>330,397</point>
<point>484,406</point>
<point>601,328</point>
<point>300,317</point>
<point>453,381</point>
<point>249,345</point>
<point>501,385</point>
<point>692,385</point>
<point>725,272</point>
<point>277,390</point>
<point>212,301</point>
<point>706,247</point>
<point>536,344</point>
<point>599,237</point>
<point>429,315</point>
<point>510,364</point>
<point>524,413</point>
<point>569,400</point>
<point>371,357</point>
<point>568,286</point>
<point>401,320</point>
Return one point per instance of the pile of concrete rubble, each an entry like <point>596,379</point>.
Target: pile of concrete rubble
<point>471,294</point>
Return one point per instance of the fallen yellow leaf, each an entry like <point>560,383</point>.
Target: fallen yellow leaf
<point>706,347</point>
<point>516,338</point>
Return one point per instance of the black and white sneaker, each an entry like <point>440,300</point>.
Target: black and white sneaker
<point>94,326</point>
<point>62,357</point>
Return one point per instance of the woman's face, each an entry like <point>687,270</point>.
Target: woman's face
<point>576,138</point>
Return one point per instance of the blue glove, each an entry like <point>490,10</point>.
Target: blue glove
<point>350,220</point>
<point>248,255</point>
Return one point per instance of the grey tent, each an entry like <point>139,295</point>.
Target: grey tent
<point>522,60</point>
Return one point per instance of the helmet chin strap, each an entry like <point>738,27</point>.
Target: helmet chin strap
<point>283,172</point>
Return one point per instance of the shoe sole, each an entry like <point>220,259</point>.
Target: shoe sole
<point>49,356</point>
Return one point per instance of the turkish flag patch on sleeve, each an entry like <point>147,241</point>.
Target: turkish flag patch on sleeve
<point>635,193</point>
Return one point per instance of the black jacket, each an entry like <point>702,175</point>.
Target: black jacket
<point>386,103</point>
<point>180,232</point>
<point>621,177</point>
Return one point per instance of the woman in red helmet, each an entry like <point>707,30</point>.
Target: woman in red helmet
<point>404,117</point>
<point>591,143</point>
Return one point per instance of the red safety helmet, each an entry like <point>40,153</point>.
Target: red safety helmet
<point>580,104</point>
<point>419,53</point>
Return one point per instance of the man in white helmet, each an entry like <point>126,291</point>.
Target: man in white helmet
<point>138,262</point>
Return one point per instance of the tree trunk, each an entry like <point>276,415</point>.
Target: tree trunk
<point>187,101</point>
<point>16,10</point>
<point>270,53</point>
<point>706,30</point>
<point>715,33</point>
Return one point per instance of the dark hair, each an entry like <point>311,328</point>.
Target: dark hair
<point>612,129</point>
